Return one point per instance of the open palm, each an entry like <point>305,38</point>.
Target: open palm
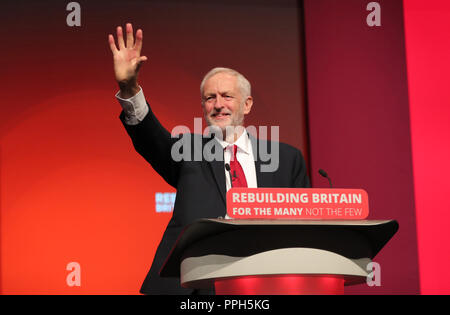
<point>127,58</point>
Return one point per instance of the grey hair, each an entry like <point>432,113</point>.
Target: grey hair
<point>243,84</point>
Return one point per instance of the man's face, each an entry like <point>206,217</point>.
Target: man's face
<point>223,101</point>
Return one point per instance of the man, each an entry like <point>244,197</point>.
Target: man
<point>233,157</point>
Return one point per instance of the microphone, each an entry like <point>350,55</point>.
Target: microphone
<point>324,174</point>
<point>228,168</point>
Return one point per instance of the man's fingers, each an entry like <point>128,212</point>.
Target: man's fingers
<point>139,37</point>
<point>120,37</point>
<point>138,61</point>
<point>130,39</point>
<point>112,44</point>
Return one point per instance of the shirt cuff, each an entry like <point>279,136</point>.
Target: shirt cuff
<point>135,107</point>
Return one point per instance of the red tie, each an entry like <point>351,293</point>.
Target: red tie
<point>238,176</point>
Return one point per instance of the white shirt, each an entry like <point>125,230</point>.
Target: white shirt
<point>244,155</point>
<point>135,109</point>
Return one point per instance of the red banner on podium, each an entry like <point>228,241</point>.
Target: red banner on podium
<point>297,203</point>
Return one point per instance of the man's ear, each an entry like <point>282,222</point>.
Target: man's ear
<point>248,105</point>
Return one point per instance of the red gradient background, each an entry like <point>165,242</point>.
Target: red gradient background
<point>72,187</point>
<point>368,105</point>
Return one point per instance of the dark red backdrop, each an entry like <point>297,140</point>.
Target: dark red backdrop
<point>378,117</point>
<point>359,121</point>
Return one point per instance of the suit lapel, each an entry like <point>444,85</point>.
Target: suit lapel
<point>216,164</point>
<point>219,176</point>
<point>264,179</point>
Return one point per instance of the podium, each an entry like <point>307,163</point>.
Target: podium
<point>276,256</point>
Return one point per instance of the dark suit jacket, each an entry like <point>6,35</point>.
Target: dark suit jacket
<point>200,186</point>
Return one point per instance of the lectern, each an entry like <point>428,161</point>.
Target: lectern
<point>276,256</point>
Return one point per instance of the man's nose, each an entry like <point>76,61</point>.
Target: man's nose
<point>219,103</point>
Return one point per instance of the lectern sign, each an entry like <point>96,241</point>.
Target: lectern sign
<point>297,203</point>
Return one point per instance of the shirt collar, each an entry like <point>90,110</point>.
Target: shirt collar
<point>243,142</point>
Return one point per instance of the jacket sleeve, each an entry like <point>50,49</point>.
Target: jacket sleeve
<point>154,143</point>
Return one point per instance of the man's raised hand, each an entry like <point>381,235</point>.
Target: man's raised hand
<point>127,59</point>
